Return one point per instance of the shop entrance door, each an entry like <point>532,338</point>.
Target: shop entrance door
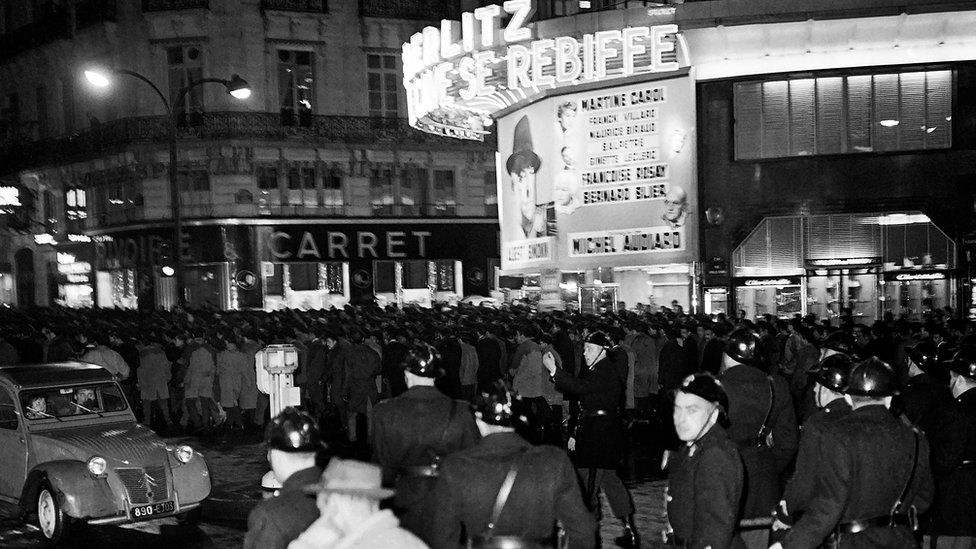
<point>829,296</point>
<point>598,298</point>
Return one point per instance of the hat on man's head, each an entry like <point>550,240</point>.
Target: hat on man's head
<point>523,153</point>
<point>351,478</point>
<point>424,361</point>
<point>293,431</point>
<point>598,338</point>
<point>707,387</point>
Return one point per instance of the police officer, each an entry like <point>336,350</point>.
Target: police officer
<point>875,475</point>
<point>706,479</point>
<point>411,433</point>
<point>763,424</point>
<point>830,382</point>
<point>506,492</point>
<point>293,442</point>
<point>925,395</point>
<point>596,441</point>
<point>953,517</point>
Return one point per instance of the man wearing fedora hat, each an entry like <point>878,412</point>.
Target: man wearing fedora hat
<point>413,432</point>
<point>522,165</point>
<point>348,497</point>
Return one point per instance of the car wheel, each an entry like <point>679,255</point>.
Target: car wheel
<point>191,517</point>
<point>50,518</point>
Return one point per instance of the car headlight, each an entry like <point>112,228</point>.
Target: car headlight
<point>184,453</point>
<point>97,465</point>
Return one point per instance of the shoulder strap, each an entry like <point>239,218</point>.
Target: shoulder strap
<point>904,493</point>
<point>764,428</point>
<point>502,497</point>
<point>447,427</point>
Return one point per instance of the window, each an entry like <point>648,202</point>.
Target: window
<point>50,214</point>
<point>194,180</point>
<point>415,275</point>
<point>185,66</point>
<point>303,277</point>
<point>381,191</point>
<point>267,177</point>
<point>330,276</point>
<point>75,204</point>
<point>43,120</point>
<point>244,196</point>
<point>8,411</point>
<point>413,189</point>
<point>296,88</point>
<point>843,114</point>
<point>332,190</point>
<point>384,276</point>
<point>444,275</point>
<point>68,104</point>
<point>444,197</point>
<point>301,178</point>
<point>491,194</point>
<point>382,82</point>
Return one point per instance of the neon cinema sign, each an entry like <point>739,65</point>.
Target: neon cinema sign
<point>457,75</point>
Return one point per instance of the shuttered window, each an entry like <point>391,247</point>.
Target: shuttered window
<point>843,114</point>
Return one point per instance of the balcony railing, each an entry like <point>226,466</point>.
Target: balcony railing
<point>308,6</point>
<point>174,5</point>
<point>116,134</point>
<point>425,10</point>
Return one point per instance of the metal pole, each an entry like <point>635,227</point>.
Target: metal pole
<point>174,193</point>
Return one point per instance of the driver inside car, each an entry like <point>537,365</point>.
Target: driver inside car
<point>84,399</point>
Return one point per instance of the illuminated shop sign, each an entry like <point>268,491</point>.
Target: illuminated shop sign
<point>771,282</point>
<point>714,291</point>
<point>843,261</point>
<point>459,74</point>
<point>9,196</point>
<point>906,277</point>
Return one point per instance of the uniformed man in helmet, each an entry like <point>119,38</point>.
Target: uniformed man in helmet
<point>411,433</point>
<point>504,491</point>
<point>596,442</point>
<point>925,395</point>
<point>706,478</point>
<point>293,442</point>
<point>763,424</point>
<point>953,516</point>
<point>874,478</point>
<point>830,382</point>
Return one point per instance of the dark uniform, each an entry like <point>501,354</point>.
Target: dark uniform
<point>954,461</point>
<point>276,521</point>
<point>925,396</point>
<point>704,490</point>
<point>544,489</point>
<point>413,432</point>
<point>869,461</point>
<point>705,479</point>
<point>833,374</point>
<point>598,431</point>
<point>409,433</point>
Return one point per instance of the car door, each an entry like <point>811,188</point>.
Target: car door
<point>13,446</point>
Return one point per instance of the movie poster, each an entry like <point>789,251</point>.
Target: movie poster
<point>600,178</point>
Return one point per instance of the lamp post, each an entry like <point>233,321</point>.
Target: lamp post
<point>236,87</point>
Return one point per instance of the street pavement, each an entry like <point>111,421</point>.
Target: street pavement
<point>237,462</point>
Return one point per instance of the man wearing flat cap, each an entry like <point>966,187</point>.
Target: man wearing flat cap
<point>348,496</point>
<point>705,480</point>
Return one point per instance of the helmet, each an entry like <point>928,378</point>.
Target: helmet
<point>873,378</point>
<point>293,431</point>
<point>743,346</point>
<point>424,361</point>
<point>499,405</point>
<point>840,341</point>
<point>598,338</point>
<point>924,355</point>
<point>706,386</point>
<point>834,372</point>
<point>964,363</point>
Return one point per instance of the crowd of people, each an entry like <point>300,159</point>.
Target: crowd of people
<point>486,426</point>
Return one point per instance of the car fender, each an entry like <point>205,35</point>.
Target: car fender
<point>191,481</point>
<point>79,493</point>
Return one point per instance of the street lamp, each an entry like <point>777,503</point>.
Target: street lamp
<point>236,86</point>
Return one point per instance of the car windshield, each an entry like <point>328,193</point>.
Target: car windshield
<point>58,402</point>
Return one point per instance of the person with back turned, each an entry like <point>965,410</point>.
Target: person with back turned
<point>293,442</point>
<point>413,432</point>
<point>874,478</point>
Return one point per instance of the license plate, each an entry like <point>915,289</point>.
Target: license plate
<point>149,511</point>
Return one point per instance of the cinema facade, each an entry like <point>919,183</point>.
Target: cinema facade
<point>719,156</point>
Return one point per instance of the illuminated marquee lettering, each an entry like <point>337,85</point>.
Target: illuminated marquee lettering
<point>494,51</point>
